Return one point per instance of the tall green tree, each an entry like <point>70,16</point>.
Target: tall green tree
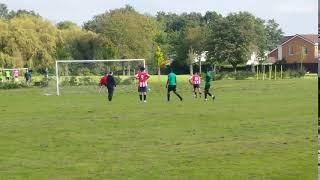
<point>274,33</point>
<point>4,12</point>
<point>230,39</point>
<point>29,41</point>
<point>131,32</point>
<point>191,59</point>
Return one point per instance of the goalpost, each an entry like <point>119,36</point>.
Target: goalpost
<point>13,69</point>
<point>90,61</point>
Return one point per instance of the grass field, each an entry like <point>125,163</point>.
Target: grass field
<point>254,130</point>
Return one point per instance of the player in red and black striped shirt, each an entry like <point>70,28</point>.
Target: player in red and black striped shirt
<point>142,77</point>
<point>195,80</point>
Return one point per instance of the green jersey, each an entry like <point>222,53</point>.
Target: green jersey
<point>208,78</point>
<point>7,74</point>
<point>172,78</point>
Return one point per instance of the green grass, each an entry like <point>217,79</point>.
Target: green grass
<point>254,130</point>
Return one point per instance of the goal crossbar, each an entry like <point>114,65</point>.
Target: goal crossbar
<point>13,69</point>
<point>90,61</point>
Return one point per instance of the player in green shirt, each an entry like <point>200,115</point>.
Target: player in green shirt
<point>208,79</point>
<point>172,85</point>
<point>8,75</point>
<point>1,77</point>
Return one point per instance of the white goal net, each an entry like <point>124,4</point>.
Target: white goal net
<point>78,76</point>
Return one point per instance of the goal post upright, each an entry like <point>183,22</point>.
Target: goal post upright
<point>57,79</point>
<point>90,61</point>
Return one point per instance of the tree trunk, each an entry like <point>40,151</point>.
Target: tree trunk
<point>235,69</point>
<point>159,71</point>
<point>191,69</point>
<point>123,69</point>
<point>129,70</point>
<point>253,69</point>
<point>214,68</point>
<point>200,69</point>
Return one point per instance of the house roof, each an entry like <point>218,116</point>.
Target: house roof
<point>311,38</point>
<point>285,39</point>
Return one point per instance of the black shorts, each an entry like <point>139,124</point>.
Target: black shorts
<point>172,88</point>
<point>207,87</point>
<point>196,86</point>
<point>142,89</point>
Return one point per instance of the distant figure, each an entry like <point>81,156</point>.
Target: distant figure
<point>1,77</point>
<point>46,73</point>
<point>103,81</point>
<point>8,75</point>
<point>172,85</point>
<point>15,74</point>
<point>142,77</point>
<point>27,76</point>
<point>195,80</point>
<point>207,85</point>
<point>111,84</point>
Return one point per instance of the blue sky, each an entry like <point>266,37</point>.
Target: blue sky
<point>294,16</point>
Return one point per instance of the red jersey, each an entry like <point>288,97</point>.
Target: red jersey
<point>142,78</point>
<point>103,80</point>
<point>196,79</point>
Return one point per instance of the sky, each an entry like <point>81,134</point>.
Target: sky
<point>294,16</point>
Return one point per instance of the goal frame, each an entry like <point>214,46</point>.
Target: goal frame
<point>90,61</point>
<point>11,69</point>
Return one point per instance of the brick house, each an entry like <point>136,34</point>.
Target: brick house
<point>291,47</point>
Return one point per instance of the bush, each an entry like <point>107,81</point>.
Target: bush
<point>128,81</point>
<point>219,76</point>
<point>294,73</point>
<point>242,75</point>
<point>86,81</point>
<point>74,81</point>
<point>12,85</point>
<point>65,81</point>
<point>117,79</point>
<point>78,81</point>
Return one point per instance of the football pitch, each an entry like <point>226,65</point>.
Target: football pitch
<point>253,130</point>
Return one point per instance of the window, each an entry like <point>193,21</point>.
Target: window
<point>305,50</point>
<point>291,50</point>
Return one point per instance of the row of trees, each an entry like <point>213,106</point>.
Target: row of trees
<point>27,39</point>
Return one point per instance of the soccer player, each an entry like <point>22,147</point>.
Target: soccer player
<point>103,81</point>
<point>8,75</point>
<point>142,77</point>
<point>15,74</point>
<point>111,84</point>
<point>1,77</point>
<point>195,80</point>
<point>46,73</point>
<point>27,76</point>
<point>172,85</point>
<point>207,85</point>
